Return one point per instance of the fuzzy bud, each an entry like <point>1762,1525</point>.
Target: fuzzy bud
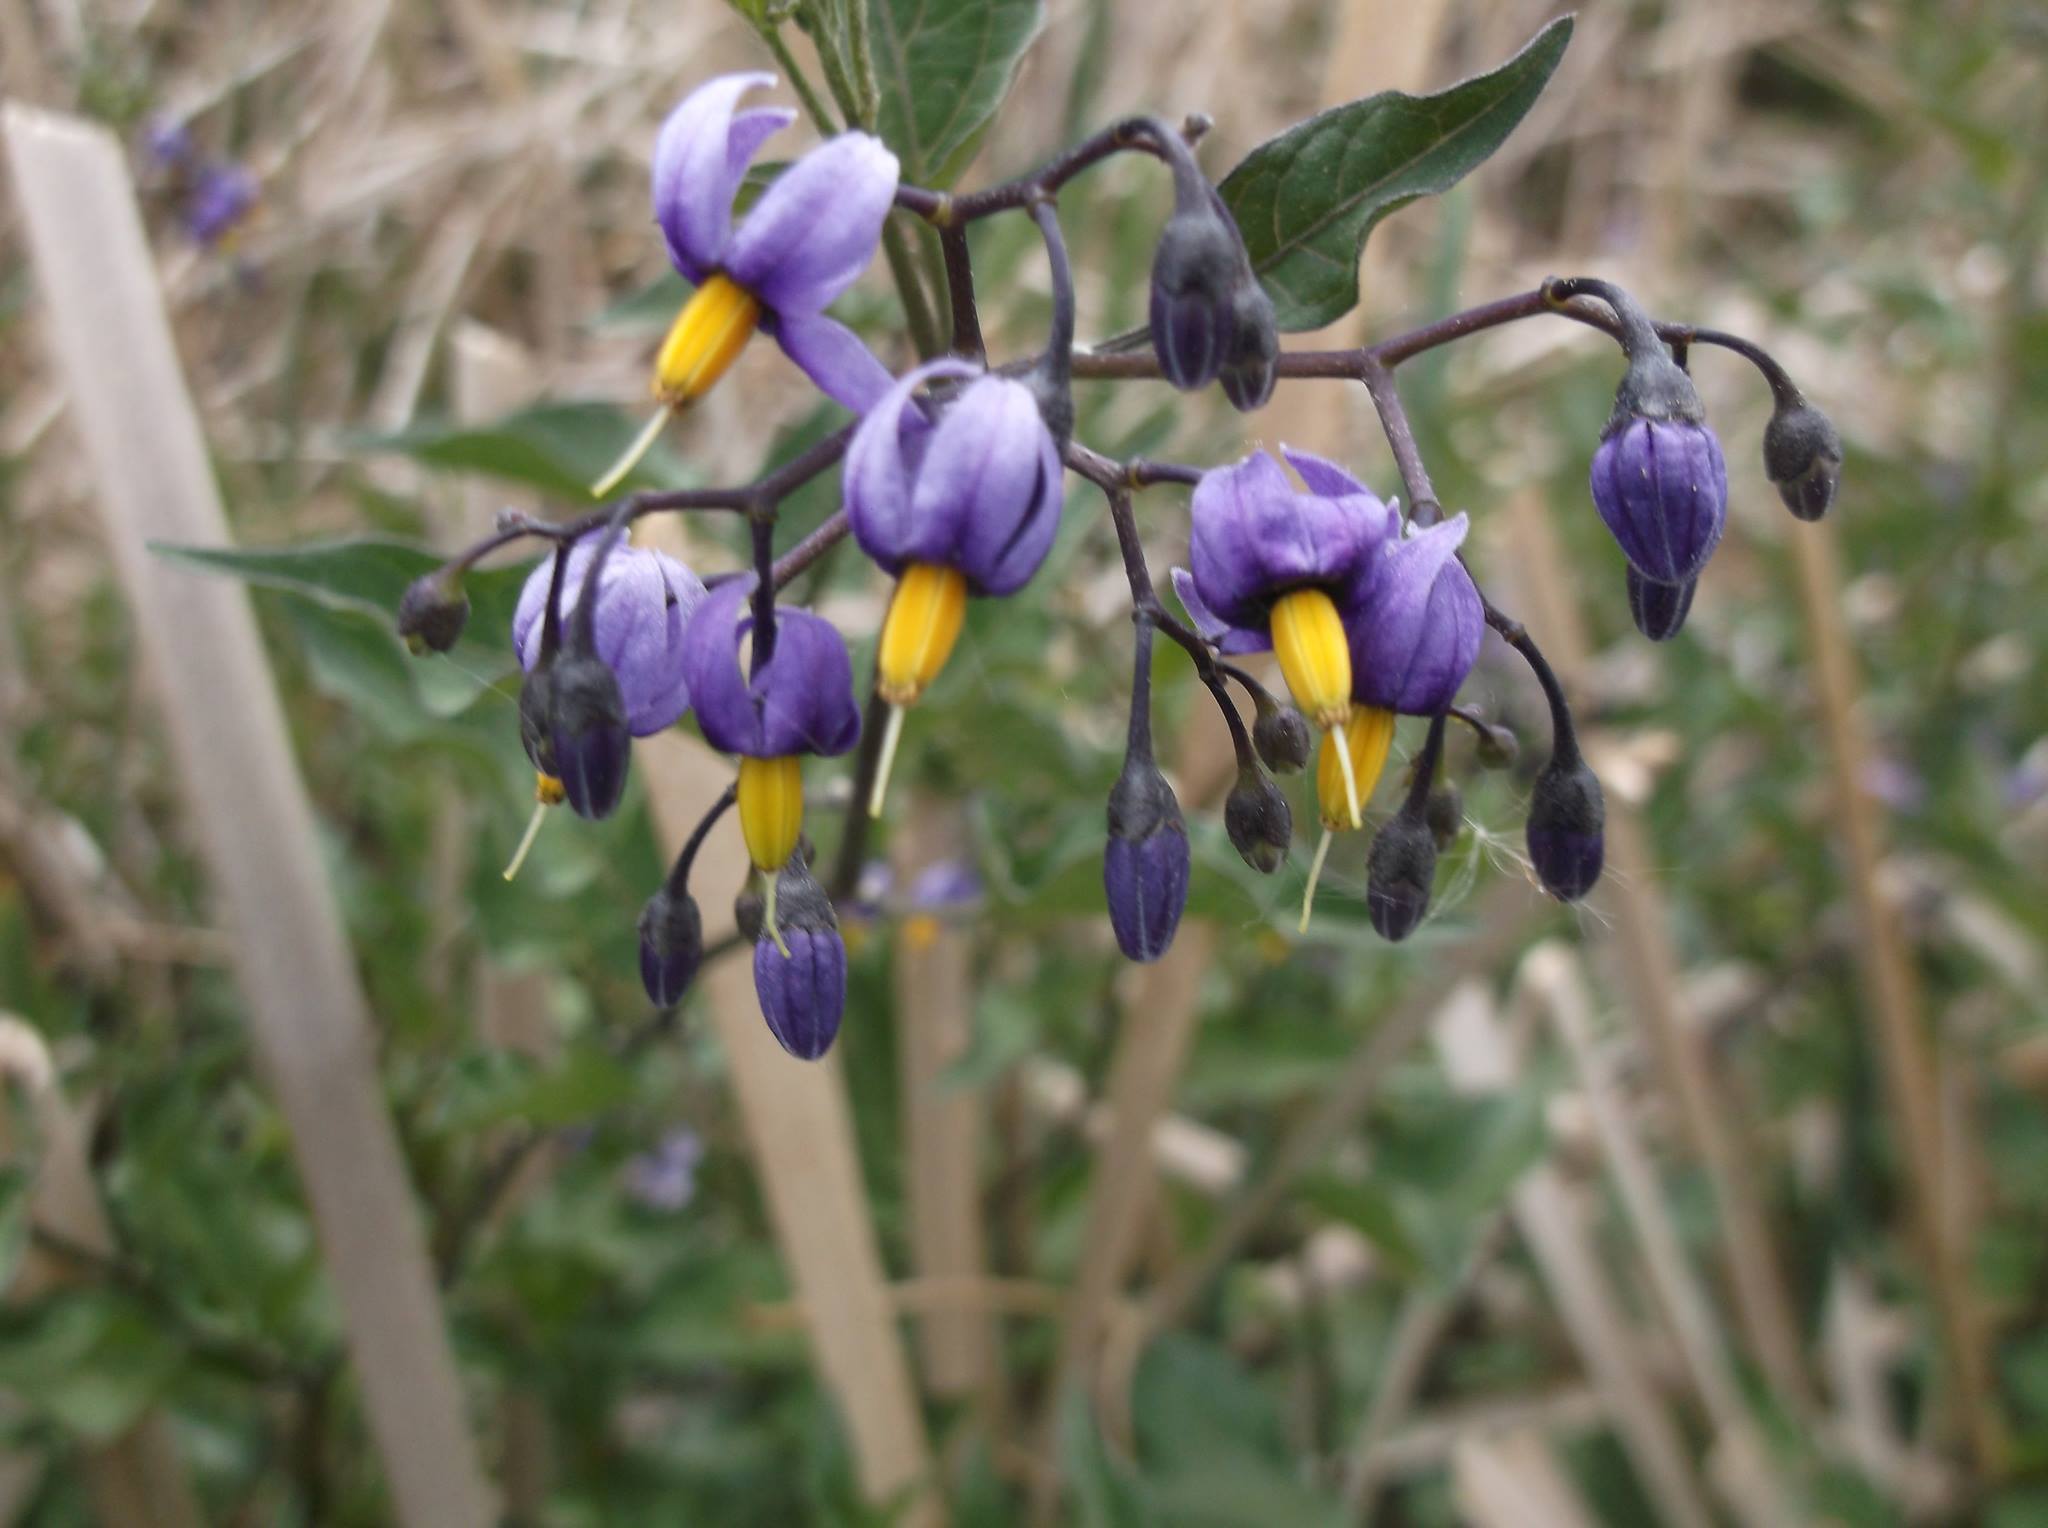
<point>1259,821</point>
<point>803,992</point>
<point>1248,362</point>
<point>1567,822</point>
<point>587,733</point>
<point>1194,274</point>
<point>1659,609</point>
<point>671,946</point>
<point>432,612</point>
<point>1281,736</point>
<point>1145,866</point>
<point>1803,457</point>
<point>1400,872</point>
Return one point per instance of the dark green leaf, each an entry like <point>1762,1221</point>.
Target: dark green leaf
<point>1307,199</point>
<point>559,448</point>
<point>944,67</point>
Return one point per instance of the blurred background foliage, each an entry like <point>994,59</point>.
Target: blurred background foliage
<point>1856,185</point>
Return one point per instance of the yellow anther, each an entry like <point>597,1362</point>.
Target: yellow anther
<point>771,803</point>
<point>919,631</point>
<point>920,932</point>
<point>1314,654</point>
<point>706,338</point>
<point>1363,745</point>
<point>549,791</point>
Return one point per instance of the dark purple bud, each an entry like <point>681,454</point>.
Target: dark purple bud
<point>671,946</point>
<point>1281,736</point>
<point>1195,273</point>
<point>803,992</point>
<point>1259,821</point>
<point>1445,814</point>
<point>587,734</point>
<point>1662,487</point>
<point>1803,456</point>
<point>1659,609</point>
<point>432,612</point>
<point>1567,821</point>
<point>1399,874</point>
<point>1248,362</point>
<point>1145,868</point>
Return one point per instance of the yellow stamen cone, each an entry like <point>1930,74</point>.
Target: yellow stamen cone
<point>919,631</point>
<point>770,797</point>
<point>1349,763</point>
<point>1314,654</point>
<point>706,338</point>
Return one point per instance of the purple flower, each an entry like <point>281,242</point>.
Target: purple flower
<point>1416,631</point>
<point>665,1179</point>
<point>168,142</point>
<point>803,993</point>
<point>802,244</point>
<point>645,600</point>
<point>979,491</point>
<point>1662,487</point>
<point>220,197</point>
<point>1255,537</point>
<point>944,885</point>
<point>799,701</point>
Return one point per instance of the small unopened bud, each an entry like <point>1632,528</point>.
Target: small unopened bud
<point>1445,814</point>
<point>1248,363</point>
<point>1282,737</point>
<point>1803,457</point>
<point>1259,821</point>
<point>1659,609</point>
<point>587,732</point>
<point>432,612</point>
<point>802,984</point>
<point>1567,824</point>
<point>1194,273</point>
<point>1399,874</point>
<point>671,946</point>
<point>1145,866</point>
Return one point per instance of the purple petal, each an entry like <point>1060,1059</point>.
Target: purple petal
<point>990,485</point>
<point>1662,488</point>
<point>832,356</point>
<point>645,602</point>
<point>697,172</point>
<point>799,701</point>
<point>1255,537</point>
<point>880,465</point>
<point>1228,638</point>
<point>814,230</point>
<point>803,993</point>
<point>1418,633</point>
<point>1321,476</point>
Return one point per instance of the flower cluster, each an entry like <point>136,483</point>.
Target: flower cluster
<point>953,484</point>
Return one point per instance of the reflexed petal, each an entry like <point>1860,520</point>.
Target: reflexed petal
<point>834,357</point>
<point>1417,633</point>
<point>800,701</point>
<point>990,484</point>
<point>697,171</point>
<point>881,463</point>
<point>815,229</point>
<point>644,604</point>
<point>1323,477</point>
<point>1255,537</point>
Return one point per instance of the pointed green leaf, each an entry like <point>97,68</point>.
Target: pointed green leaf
<point>559,448</point>
<point>1307,199</point>
<point>944,66</point>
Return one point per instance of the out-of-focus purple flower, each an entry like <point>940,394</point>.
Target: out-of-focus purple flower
<point>803,243</point>
<point>945,885</point>
<point>664,1179</point>
<point>1897,785</point>
<point>979,491</point>
<point>1255,537</point>
<point>1416,631</point>
<point>168,142</point>
<point>1662,487</point>
<point>799,701</point>
<point>221,196</point>
<point>645,601</point>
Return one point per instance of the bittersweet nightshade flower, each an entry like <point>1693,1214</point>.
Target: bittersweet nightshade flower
<point>795,251</point>
<point>664,1179</point>
<point>1145,867</point>
<point>1802,456</point>
<point>219,198</point>
<point>969,505</point>
<point>797,700</point>
<point>1418,628</point>
<point>1273,566</point>
<point>800,968</point>
<point>1659,610</point>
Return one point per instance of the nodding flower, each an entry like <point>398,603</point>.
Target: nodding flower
<point>1272,566</point>
<point>1659,480</point>
<point>967,505</point>
<point>777,268</point>
<point>794,697</point>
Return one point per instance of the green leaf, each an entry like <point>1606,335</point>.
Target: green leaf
<point>944,66</point>
<point>365,573</point>
<point>559,448</point>
<point>1307,199</point>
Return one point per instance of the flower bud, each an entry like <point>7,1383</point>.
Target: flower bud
<point>671,946</point>
<point>1659,480</point>
<point>1659,609</point>
<point>1145,867</point>
<point>1803,457</point>
<point>1445,814</point>
<point>802,993</point>
<point>587,734</point>
<point>1248,361</point>
<point>1194,275</point>
<point>1259,821</point>
<point>432,612</point>
<point>1567,819</point>
<point>1281,736</point>
<point>1399,873</point>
